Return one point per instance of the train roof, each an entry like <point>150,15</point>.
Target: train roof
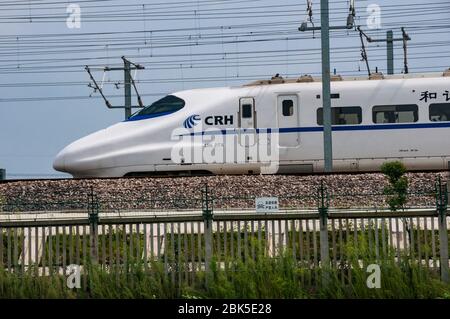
<point>277,79</point>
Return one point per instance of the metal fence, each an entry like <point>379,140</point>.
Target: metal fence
<point>186,241</point>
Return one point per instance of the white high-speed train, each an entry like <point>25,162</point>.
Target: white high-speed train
<point>375,119</point>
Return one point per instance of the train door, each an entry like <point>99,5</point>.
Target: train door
<point>247,112</point>
<point>247,124</point>
<point>288,118</point>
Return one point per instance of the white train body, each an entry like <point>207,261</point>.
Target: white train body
<point>402,117</point>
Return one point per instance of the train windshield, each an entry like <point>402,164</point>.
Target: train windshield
<point>166,105</point>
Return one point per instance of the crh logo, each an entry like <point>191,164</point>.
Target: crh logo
<point>191,121</point>
<point>219,120</point>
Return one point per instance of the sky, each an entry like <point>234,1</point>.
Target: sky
<point>45,101</point>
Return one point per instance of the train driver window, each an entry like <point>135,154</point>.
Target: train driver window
<point>342,115</point>
<point>166,105</point>
<point>440,112</point>
<point>288,107</point>
<point>246,111</point>
<point>406,113</point>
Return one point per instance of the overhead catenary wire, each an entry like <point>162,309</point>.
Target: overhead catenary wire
<point>182,42</point>
<point>144,48</point>
<point>237,62</point>
<point>160,94</point>
<point>51,44</point>
<point>231,57</point>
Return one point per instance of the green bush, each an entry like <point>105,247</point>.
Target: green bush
<point>397,190</point>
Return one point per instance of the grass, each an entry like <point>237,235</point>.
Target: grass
<point>262,277</point>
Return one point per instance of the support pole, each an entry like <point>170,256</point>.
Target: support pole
<point>324,248</point>
<point>406,38</point>
<point>363,51</point>
<point>390,51</point>
<point>441,205</point>
<point>127,84</point>
<point>326,87</point>
<point>443,245</point>
<point>207,217</point>
<point>93,226</point>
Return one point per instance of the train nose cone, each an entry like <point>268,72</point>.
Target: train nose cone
<point>59,164</point>
<point>83,156</point>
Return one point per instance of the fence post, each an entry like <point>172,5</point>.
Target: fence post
<point>207,210</point>
<point>93,209</point>
<point>323,204</point>
<point>441,205</point>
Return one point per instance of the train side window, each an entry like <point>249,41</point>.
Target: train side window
<point>406,113</point>
<point>288,107</point>
<point>342,115</point>
<point>439,112</point>
<point>246,111</point>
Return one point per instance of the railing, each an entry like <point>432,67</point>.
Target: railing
<point>48,246</point>
<point>186,241</point>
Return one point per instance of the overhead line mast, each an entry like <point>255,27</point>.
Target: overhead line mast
<point>389,48</point>
<point>326,87</point>
<point>128,82</point>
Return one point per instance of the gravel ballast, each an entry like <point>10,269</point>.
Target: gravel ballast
<point>230,191</point>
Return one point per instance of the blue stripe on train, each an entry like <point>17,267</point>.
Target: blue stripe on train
<point>335,128</point>
<point>146,116</point>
